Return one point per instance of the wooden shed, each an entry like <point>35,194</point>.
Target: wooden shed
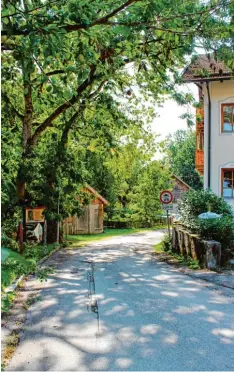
<point>91,222</point>
<point>179,188</point>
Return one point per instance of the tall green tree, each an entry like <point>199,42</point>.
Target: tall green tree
<point>180,156</point>
<point>145,203</point>
<point>59,56</point>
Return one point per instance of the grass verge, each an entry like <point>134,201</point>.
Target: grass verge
<point>159,248</point>
<point>172,257</point>
<point>33,254</point>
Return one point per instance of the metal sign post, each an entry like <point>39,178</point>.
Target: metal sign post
<point>166,199</point>
<point>168,224</point>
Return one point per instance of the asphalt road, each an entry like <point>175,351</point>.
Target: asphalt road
<point>113,306</point>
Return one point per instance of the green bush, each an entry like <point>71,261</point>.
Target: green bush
<point>9,242</point>
<point>220,229</point>
<point>12,264</point>
<point>166,243</point>
<point>193,203</point>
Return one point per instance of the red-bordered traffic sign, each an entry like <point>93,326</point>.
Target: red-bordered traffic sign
<point>166,197</point>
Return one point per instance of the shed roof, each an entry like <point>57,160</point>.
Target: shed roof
<point>95,193</point>
<point>180,180</point>
<point>204,68</point>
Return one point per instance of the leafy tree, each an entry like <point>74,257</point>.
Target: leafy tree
<point>137,180</point>
<point>59,56</point>
<point>180,156</point>
<point>145,202</point>
<point>60,166</point>
<point>134,151</point>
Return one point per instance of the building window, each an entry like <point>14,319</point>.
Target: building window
<point>228,183</point>
<point>227,117</point>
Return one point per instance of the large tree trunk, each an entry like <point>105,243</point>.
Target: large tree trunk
<point>27,121</point>
<point>26,127</point>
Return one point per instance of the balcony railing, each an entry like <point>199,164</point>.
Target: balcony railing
<point>199,161</point>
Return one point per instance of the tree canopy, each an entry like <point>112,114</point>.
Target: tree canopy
<point>61,54</point>
<point>179,150</point>
<point>73,73</point>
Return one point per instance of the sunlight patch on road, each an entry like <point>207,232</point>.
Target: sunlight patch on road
<point>171,339</point>
<point>170,294</point>
<point>223,332</point>
<point>149,329</point>
<point>123,362</point>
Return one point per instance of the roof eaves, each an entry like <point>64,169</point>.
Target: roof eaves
<point>194,79</point>
<point>94,192</point>
<point>206,68</point>
<point>179,179</point>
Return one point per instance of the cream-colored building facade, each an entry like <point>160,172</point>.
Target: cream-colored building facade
<point>215,126</point>
<point>221,139</point>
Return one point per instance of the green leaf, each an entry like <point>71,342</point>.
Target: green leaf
<point>125,31</point>
<point>49,88</point>
<point>5,12</point>
<point>67,95</point>
<point>5,21</point>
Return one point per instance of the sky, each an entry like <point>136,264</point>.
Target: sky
<point>167,120</point>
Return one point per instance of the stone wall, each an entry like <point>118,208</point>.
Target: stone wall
<point>208,253</point>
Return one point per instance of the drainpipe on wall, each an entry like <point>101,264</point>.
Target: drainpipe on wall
<point>209,132</point>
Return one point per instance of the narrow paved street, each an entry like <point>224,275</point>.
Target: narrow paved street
<point>113,306</point>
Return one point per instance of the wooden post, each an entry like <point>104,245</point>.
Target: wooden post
<point>21,237</point>
<point>45,237</point>
<point>24,224</point>
<point>58,224</point>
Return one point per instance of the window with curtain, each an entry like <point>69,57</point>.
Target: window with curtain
<point>228,183</point>
<point>227,117</point>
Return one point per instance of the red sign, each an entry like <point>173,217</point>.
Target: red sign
<point>166,197</point>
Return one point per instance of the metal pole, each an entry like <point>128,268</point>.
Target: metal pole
<point>209,134</point>
<point>168,224</point>
<point>45,237</point>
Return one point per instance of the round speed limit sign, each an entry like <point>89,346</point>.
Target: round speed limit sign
<point>166,197</point>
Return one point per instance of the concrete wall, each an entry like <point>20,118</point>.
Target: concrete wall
<point>222,144</point>
<point>207,252</point>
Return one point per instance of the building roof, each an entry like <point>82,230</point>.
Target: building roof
<point>204,68</point>
<point>180,180</point>
<point>95,193</point>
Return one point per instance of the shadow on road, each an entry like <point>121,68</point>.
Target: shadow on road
<point>114,307</point>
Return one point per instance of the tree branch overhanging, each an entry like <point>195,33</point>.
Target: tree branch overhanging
<point>50,73</point>
<point>62,108</point>
<point>105,20</point>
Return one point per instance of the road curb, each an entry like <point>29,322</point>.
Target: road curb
<point>214,279</point>
<point>14,285</point>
